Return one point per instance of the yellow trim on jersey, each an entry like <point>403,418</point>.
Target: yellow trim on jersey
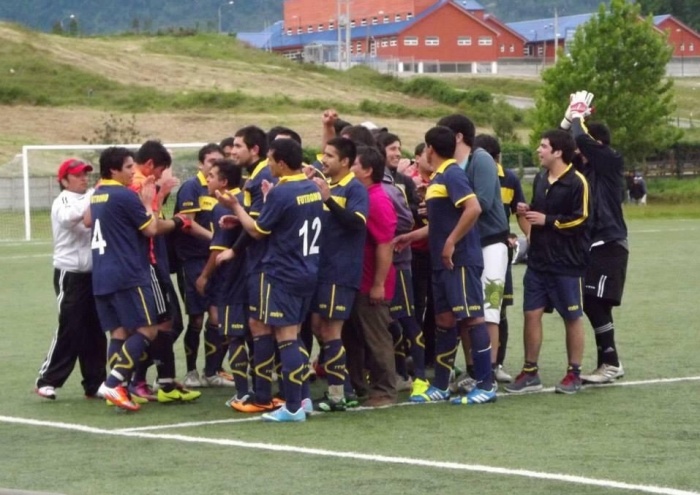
<point>582,218</point>
<point>319,157</point>
<point>499,167</point>
<point>257,169</point>
<point>217,248</point>
<point>436,191</point>
<point>507,195</point>
<point>330,314</point>
<point>345,180</point>
<point>201,178</point>
<point>361,216</point>
<point>443,166</point>
<point>110,182</point>
<point>234,191</point>
<point>462,200</point>
<point>147,222</point>
<point>292,178</point>
<point>264,232</point>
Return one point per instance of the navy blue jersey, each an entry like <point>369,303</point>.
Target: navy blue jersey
<point>253,201</point>
<point>291,220</point>
<point>193,197</point>
<point>232,273</point>
<point>343,248</point>
<point>511,190</point>
<point>119,251</point>
<point>448,190</point>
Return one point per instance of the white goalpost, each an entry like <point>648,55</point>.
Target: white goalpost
<point>39,186</point>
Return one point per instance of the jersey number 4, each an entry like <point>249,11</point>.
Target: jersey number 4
<point>98,242</point>
<point>304,233</point>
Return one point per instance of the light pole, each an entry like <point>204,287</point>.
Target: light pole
<point>534,48</point>
<point>71,17</point>
<point>230,2</point>
<point>682,50</point>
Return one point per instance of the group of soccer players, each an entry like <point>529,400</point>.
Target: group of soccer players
<point>275,253</point>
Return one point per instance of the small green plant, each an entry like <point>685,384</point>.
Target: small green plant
<point>115,130</point>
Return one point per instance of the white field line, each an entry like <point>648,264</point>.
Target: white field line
<point>25,256</point>
<point>406,461</point>
<point>654,381</point>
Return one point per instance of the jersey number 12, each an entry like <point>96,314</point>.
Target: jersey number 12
<point>304,233</point>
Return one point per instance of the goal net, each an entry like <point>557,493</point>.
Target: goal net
<point>28,184</point>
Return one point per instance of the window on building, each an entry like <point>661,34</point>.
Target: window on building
<point>691,47</point>
<point>331,25</point>
<point>392,41</point>
<point>410,41</point>
<point>375,21</point>
<point>409,16</point>
<point>682,47</point>
<point>397,18</point>
<point>386,19</point>
<point>464,41</point>
<point>540,50</point>
<point>512,48</point>
<point>363,22</point>
<point>289,32</point>
<point>352,23</point>
<point>310,29</point>
<point>502,48</point>
<point>320,28</point>
<point>299,30</point>
<point>359,46</point>
<point>432,41</point>
<point>485,41</point>
<point>385,43</point>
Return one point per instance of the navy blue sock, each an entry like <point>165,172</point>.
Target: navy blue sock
<point>334,365</point>
<point>164,356</point>
<point>293,372</point>
<point>212,349</point>
<point>264,359</point>
<point>481,355</point>
<point>445,351</point>
<point>238,362</point>
<point>128,358</point>
<point>191,342</point>
<point>415,336</point>
<point>399,348</point>
<point>115,345</point>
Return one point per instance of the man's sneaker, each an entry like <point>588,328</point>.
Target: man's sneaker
<point>524,383</point>
<point>282,415</point>
<point>235,398</point>
<point>420,386</point>
<point>331,405</point>
<point>463,384</point>
<point>569,385</point>
<point>403,385</point>
<point>119,397</point>
<point>352,401</point>
<point>225,375</point>
<point>307,405</point>
<point>192,380</point>
<point>47,392</point>
<point>141,389</point>
<point>177,395</point>
<point>278,400</point>
<point>606,373</point>
<point>433,394</point>
<point>216,381</point>
<point>477,396</point>
<point>251,406</point>
<point>502,376</point>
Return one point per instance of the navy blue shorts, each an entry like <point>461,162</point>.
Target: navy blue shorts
<point>403,303</point>
<point>256,302</point>
<point>131,308</point>
<point>282,308</point>
<point>233,320</point>
<point>550,291</point>
<point>195,304</point>
<point>459,291</point>
<point>333,302</point>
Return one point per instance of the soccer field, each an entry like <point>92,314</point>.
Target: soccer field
<point>640,435</point>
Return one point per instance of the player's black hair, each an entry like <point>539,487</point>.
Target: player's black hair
<point>385,139</point>
<point>153,150</point>
<point>228,170</point>
<point>442,140</point>
<point>113,158</point>
<point>227,141</point>
<point>339,125</point>
<point>345,147</point>
<point>563,141</point>
<point>599,132</point>
<point>460,124</point>
<point>419,149</point>
<point>359,135</point>
<point>254,136</point>
<point>207,149</point>
<point>276,131</point>
<point>369,157</point>
<point>287,151</point>
<point>489,143</point>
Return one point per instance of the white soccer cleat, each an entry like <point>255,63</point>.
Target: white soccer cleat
<point>47,392</point>
<point>606,373</point>
<point>502,376</point>
<point>192,380</point>
<point>216,381</point>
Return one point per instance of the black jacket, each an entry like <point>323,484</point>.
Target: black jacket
<point>561,245</point>
<point>605,174</point>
